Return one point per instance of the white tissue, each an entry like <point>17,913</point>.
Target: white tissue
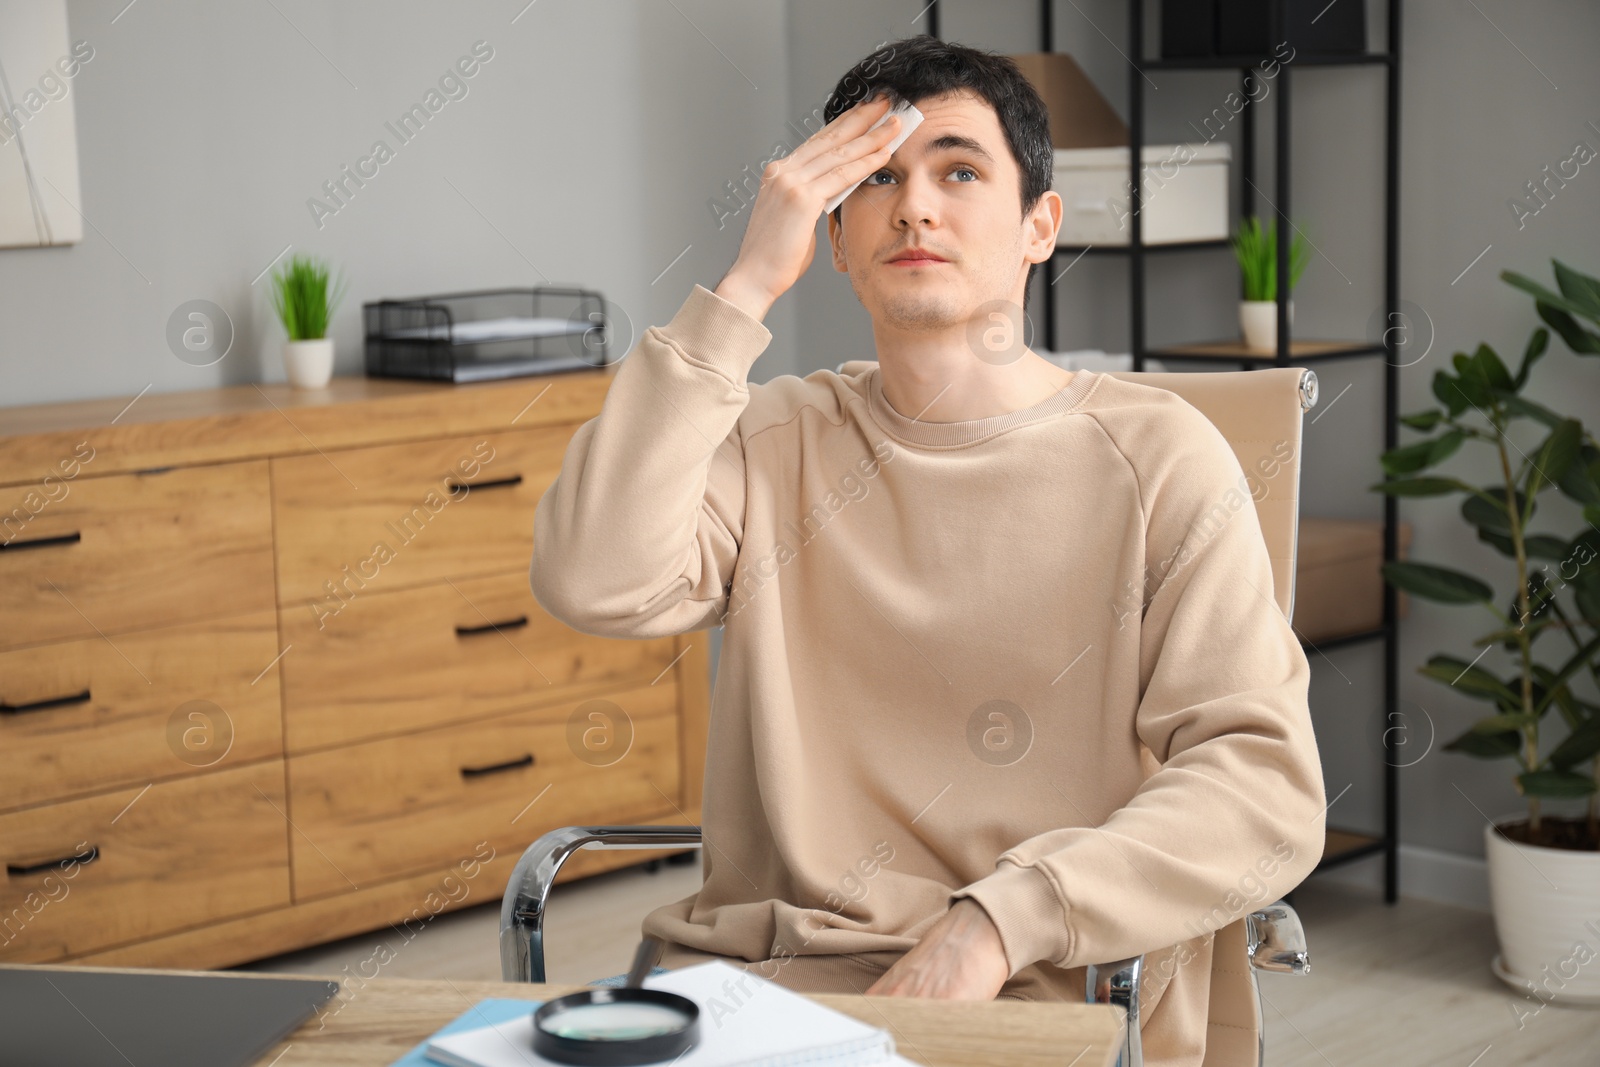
<point>910,119</point>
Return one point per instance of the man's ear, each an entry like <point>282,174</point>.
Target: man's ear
<point>1039,232</point>
<point>836,241</point>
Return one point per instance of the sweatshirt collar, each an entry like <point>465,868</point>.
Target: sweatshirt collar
<point>971,431</point>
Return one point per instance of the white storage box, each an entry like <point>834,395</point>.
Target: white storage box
<point>1184,192</point>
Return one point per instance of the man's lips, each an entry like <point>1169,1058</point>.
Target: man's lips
<point>916,260</point>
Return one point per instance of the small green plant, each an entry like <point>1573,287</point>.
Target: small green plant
<point>1257,253</point>
<point>1480,400</point>
<point>301,297</point>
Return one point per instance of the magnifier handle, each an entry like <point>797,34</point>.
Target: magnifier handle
<point>644,958</point>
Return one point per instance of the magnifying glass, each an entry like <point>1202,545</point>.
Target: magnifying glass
<point>618,1027</point>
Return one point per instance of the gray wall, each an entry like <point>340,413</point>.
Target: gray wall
<point>589,149</point>
<point>585,151</point>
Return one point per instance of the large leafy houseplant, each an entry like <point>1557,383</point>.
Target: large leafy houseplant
<point>1481,399</point>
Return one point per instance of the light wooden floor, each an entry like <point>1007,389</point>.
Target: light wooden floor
<point>1401,986</point>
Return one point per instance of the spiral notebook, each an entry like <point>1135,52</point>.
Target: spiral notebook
<point>745,1021</point>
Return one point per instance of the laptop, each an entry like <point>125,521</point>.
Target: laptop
<point>70,1017</point>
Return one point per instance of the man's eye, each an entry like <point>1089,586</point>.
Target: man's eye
<point>953,170</point>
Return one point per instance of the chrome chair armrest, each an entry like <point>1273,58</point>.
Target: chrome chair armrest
<point>522,907</point>
<point>1118,983</point>
<point>1277,940</point>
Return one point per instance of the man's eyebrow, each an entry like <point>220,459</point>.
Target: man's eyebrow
<point>948,141</point>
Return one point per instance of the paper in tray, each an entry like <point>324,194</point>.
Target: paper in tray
<point>511,328</point>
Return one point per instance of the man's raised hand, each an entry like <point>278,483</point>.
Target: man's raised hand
<point>781,236</point>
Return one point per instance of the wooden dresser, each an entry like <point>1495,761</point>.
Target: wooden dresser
<point>271,672</point>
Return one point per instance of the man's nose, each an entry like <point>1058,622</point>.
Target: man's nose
<point>916,202</point>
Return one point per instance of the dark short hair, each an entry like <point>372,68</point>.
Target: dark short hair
<point>917,68</point>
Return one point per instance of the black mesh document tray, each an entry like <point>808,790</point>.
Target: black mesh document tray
<point>486,334</point>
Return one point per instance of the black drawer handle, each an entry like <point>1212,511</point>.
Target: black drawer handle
<point>509,624</point>
<point>40,705</point>
<point>496,768</point>
<point>34,868</point>
<point>43,542</point>
<point>498,483</point>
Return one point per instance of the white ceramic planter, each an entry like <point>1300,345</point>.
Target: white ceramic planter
<point>309,363</point>
<point>1258,321</point>
<point>1546,918</point>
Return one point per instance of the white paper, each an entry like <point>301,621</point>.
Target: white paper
<point>745,1020</point>
<point>910,119</point>
<point>509,328</point>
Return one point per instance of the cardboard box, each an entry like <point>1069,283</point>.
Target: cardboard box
<point>1079,116</point>
<point>1338,585</point>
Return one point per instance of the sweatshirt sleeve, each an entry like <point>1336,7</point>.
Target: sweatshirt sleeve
<point>638,535</point>
<point>1234,816</point>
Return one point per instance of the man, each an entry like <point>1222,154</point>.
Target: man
<point>1003,689</point>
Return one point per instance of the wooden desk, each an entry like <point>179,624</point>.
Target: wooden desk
<point>374,1023</point>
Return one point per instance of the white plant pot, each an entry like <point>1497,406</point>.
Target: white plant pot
<point>1258,321</point>
<point>309,363</point>
<point>1545,919</point>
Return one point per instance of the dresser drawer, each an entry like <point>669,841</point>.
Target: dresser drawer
<point>136,551</point>
<point>397,516</point>
<point>180,854</point>
<point>81,716</point>
<point>392,663</point>
<point>370,812</point>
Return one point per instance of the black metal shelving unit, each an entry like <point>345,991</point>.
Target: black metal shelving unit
<point>1342,846</point>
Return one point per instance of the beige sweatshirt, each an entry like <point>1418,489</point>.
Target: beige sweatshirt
<point>1032,659</point>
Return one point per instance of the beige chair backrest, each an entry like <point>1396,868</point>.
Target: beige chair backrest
<point>1259,412</point>
<point>1255,410</point>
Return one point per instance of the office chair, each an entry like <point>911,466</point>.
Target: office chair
<point>1254,410</point>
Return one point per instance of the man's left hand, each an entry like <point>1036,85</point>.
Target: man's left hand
<point>960,958</point>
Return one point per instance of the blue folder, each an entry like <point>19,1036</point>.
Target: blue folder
<point>483,1013</point>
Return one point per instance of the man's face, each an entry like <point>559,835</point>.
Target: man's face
<point>952,189</point>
